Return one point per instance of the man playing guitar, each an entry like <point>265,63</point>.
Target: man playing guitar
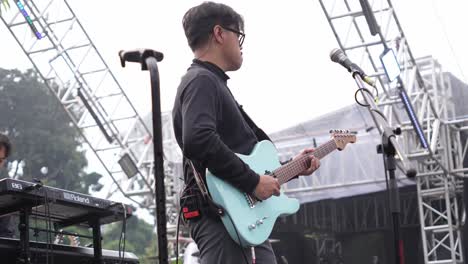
<point>210,127</point>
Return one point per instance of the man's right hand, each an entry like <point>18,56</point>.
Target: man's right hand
<point>266,187</point>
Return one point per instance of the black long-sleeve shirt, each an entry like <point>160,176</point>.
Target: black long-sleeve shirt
<point>210,127</point>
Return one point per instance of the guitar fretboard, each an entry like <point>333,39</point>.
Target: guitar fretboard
<point>299,164</point>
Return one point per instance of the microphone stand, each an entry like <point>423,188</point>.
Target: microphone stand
<point>148,59</point>
<point>389,148</point>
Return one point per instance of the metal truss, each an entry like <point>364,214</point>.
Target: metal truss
<point>75,72</point>
<point>430,94</point>
<point>438,204</point>
<point>328,249</point>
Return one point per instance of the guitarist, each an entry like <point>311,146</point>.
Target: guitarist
<point>210,127</point>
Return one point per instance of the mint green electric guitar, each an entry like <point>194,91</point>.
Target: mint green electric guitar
<point>249,221</point>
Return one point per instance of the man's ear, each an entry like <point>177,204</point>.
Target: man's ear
<point>218,34</point>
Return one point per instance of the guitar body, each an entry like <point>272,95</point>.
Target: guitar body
<point>252,219</point>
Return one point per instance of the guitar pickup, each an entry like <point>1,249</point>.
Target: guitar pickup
<point>251,200</point>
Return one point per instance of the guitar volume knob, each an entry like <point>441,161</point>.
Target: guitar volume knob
<point>252,226</point>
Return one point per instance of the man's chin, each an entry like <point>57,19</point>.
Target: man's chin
<point>238,65</point>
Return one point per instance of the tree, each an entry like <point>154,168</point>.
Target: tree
<point>44,137</point>
<point>140,239</point>
<point>6,5</point>
<point>46,145</point>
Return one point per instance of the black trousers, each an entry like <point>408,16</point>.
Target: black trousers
<point>217,247</point>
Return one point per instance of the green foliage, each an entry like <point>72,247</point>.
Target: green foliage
<point>5,4</point>
<point>140,239</point>
<point>41,133</point>
<point>44,137</point>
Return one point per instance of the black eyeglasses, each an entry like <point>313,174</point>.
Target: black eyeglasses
<point>240,35</point>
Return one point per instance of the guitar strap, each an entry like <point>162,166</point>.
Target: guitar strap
<point>213,208</point>
<point>200,183</point>
<point>259,133</point>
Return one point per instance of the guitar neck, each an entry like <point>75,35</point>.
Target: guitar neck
<point>299,164</point>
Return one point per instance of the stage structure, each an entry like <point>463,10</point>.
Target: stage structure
<point>56,43</point>
<point>440,166</point>
<point>63,54</point>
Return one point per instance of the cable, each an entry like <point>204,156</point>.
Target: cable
<point>380,113</point>
<point>184,190</point>
<point>48,227</point>
<point>124,230</point>
<point>120,244</point>
<point>368,105</point>
<point>36,186</point>
<point>442,25</point>
<point>47,237</point>
<point>177,236</point>
<point>431,154</point>
<point>36,234</point>
<point>122,235</point>
<point>376,91</point>
<point>357,101</point>
<point>238,237</point>
<point>177,230</point>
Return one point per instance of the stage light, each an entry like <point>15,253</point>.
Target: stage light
<point>412,116</point>
<point>390,64</point>
<point>28,19</point>
<point>128,166</point>
<point>392,70</point>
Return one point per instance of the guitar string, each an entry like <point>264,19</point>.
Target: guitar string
<point>287,171</point>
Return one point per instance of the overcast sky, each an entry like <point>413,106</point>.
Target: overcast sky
<point>287,76</point>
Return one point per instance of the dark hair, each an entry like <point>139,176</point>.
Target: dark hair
<point>198,22</point>
<point>5,142</point>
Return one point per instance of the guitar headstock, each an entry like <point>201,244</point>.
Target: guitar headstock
<point>342,137</point>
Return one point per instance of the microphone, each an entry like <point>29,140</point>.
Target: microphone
<point>338,56</point>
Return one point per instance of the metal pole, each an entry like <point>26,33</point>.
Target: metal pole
<point>158,161</point>
<point>149,61</point>
<point>389,148</point>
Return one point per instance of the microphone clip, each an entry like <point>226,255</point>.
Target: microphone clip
<point>355,69</point>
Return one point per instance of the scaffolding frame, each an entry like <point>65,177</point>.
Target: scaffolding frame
<point>431,98</point>
<point>72,68</point>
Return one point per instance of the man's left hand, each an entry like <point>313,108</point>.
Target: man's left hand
<point>313,163</point>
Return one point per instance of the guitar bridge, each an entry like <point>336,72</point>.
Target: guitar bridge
<point>251,201</point>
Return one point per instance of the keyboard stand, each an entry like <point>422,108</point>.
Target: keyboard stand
<point>97,241</point>
<point>24,254</point>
